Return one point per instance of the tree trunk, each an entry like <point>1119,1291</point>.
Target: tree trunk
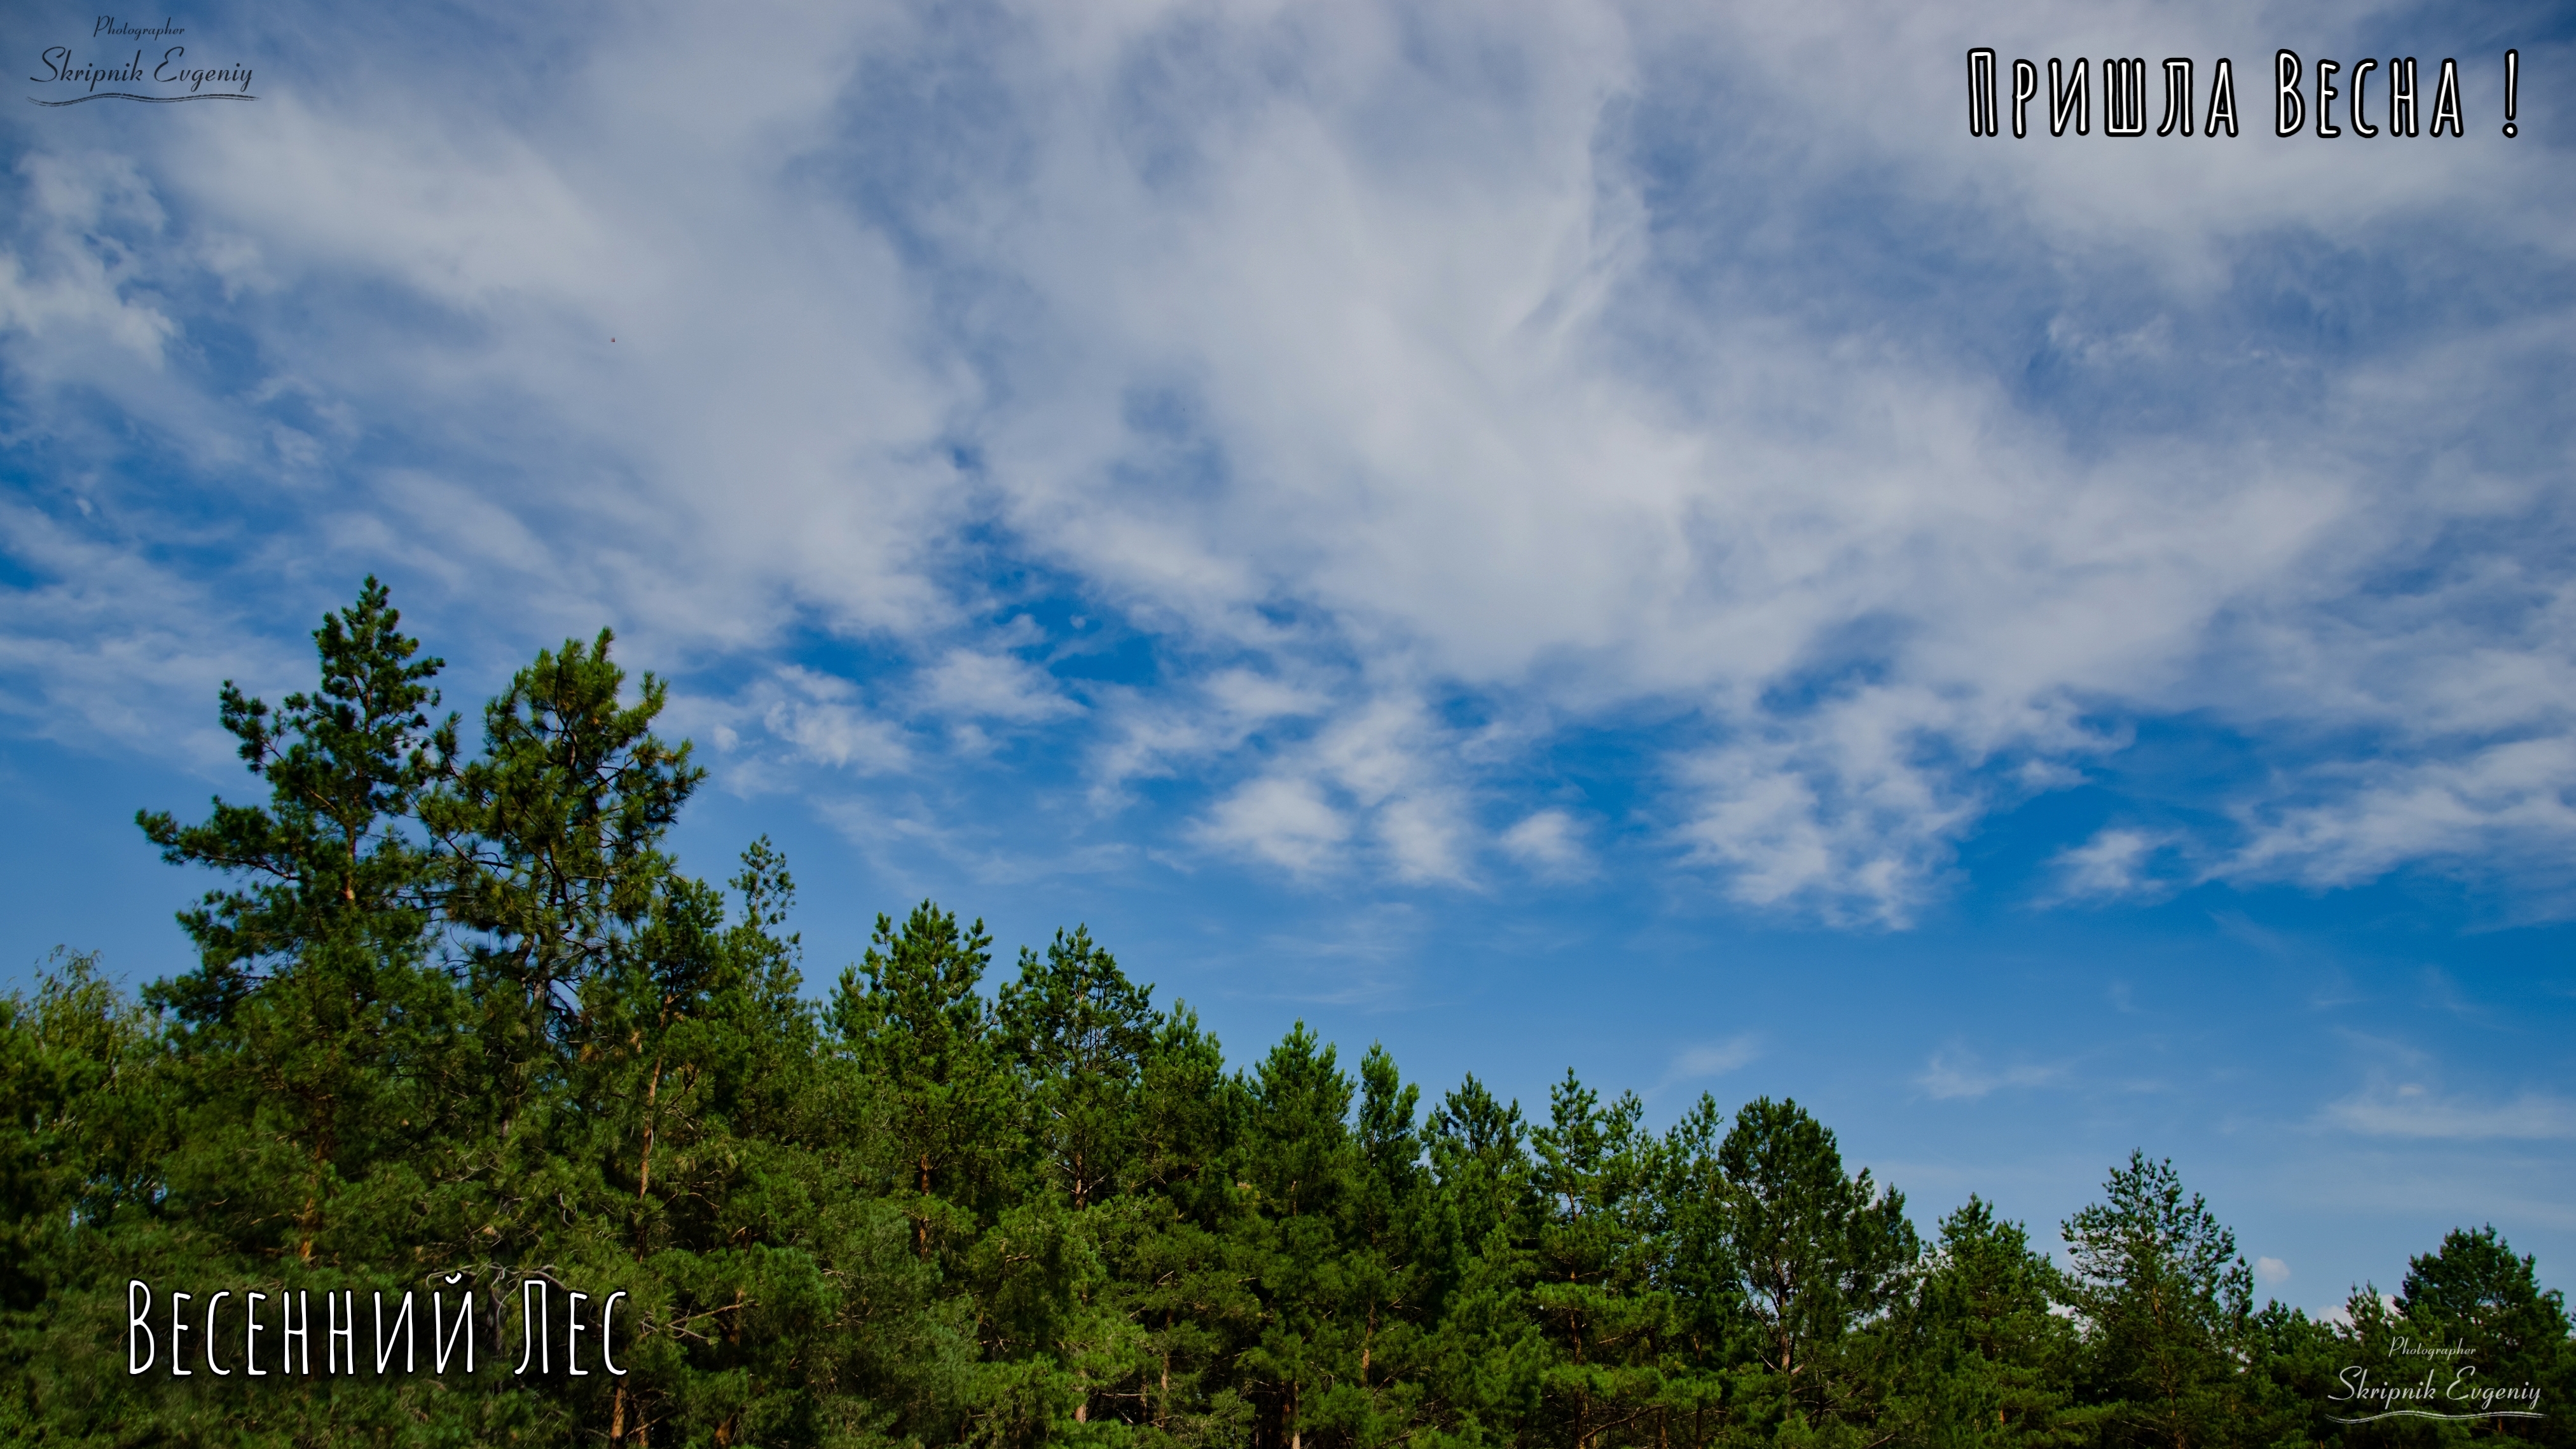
<point>652,1091</point>
<point>921,1223</point>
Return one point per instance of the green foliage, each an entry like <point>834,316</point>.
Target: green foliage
<point>1819,1253</point>
<point>1079,1032</point>
<point>912,1021</point>
<point>458,1023</point>
<point>1988,1360</point>
<point>2165,1303</point>
<point>334,875</point>
<point>2475,1293</point>
<point>2506,1334</point>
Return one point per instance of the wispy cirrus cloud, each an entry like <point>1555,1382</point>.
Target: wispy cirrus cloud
<point>2118,862</point>
<point>2395,1107</point>
<point>1709,1059</point>
<point>1958,1074</point>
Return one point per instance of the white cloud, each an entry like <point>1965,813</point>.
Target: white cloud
<point>1549,842</point>
<point>2393,1107</point>
<point>1839,817</point>
<point>1711,1059</point>
<point>2464,808</point>
<point>1423,840</point>
<point>830,733</point>
<point>994,686</point>
<point>2113,864</point>
<point>819,719</point>
<point>114,652</point>
<point>1161,733</point>
<point>2271,1272</point>
<point>82,289</point>
<point>1379,779</point>
<point>1284,821</point>
<point>1958,1074</point>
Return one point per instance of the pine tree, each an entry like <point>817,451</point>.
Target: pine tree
<point>1595,1260</point>
<point>1988,1360</point>
<point>912,1020</point>
<point>2473,1293</point>
<point>1180,1271</point>
<point>1375,1336</point>
<point>1485,1359</point>
<point>553,850</point>
<point>323,1031</point>
<point>1819,1253</point>
<point>333,868</point>
<point>2164,1302</point>
<point>1079,1030</point>
<point>1299,1165</point>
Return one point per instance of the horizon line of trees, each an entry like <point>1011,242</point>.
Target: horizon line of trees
<point>460,1014</point>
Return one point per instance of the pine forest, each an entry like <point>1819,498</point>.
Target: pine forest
<point>460,1027</point>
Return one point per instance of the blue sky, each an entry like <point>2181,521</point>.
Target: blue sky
<point>1610,536</point>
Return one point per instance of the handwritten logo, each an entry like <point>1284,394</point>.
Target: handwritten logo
<point>2456,1396</point>
<point>64,66</point>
